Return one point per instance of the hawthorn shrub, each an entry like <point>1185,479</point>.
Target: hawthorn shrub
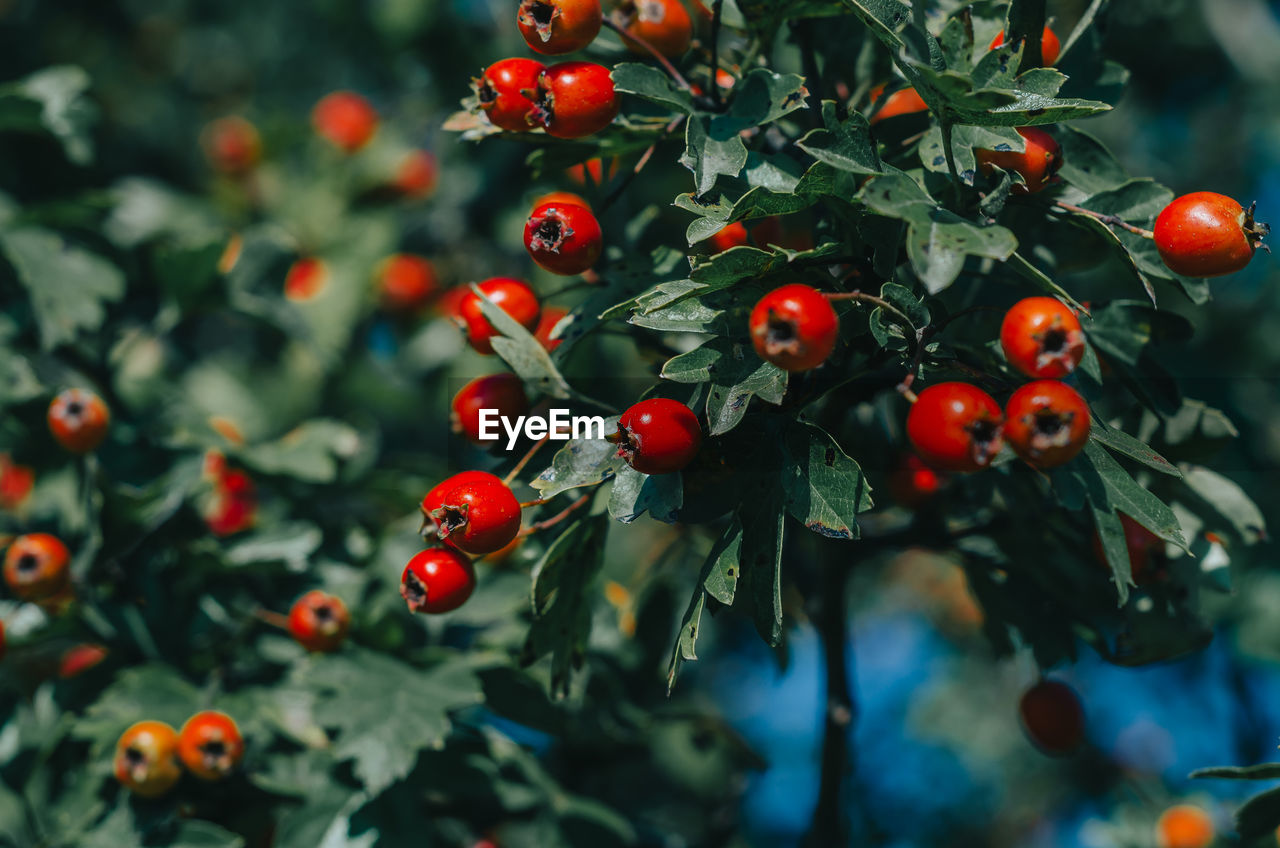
<point>781,274</point>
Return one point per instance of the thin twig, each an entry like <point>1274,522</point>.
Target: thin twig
<point>714,85</point>
<point>524,460</point>
<point>275,619</point>
<point>558,517</point>
<point>662,60</point>
<point>899,317</point>
<point>644,160</point>
<point>1113,220</point>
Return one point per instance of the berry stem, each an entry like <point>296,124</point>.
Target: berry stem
<point>899,317</point>
<point>524,460</point>
<point>640,163</point>
<point>1112,220</point>
<point>560,516</point>
<point>274,619</point>
<point>662,60</point>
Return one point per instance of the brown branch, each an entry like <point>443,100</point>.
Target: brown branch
<point>275,619</point>
<point>524,460</point>
<point>1113,220</point>
<point>662,60</point>
<point>558,517</point>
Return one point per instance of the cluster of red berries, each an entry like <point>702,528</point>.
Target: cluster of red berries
<point>567,99</point>
<point>151,755</point>
<point>232,505</point>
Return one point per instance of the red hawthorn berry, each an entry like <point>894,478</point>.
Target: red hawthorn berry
<point>658,436</point>
<point>78,659</point>
<point>405,282</point>
<point>1041,337</point>
<point>145,762</point>
<point>37,567</point>
<point>664,24</point>
<point>1050,46</point>
<point>473,511</point>
<point>913,483</point>
<point>563,238</point>
<point>763,232</point>
<point>501,392</point>
<point>1204,234</point>
<point>16,482</point>
<point>511,296</point>
<point>731,236</point>
<point>551,316</point>
<point>794,327</point>
<point>345,119</point>
<point>449,304</point>
<point>1052,717</point>
<point>956,427</point>
<point>1046,423</point>
<point>416,174</point>
<point>1146,549</point>
<point>506,92</point>
<point>906,101</point>
<point>559,26</point>
<point>562,197</point>
<point>1037,164</point>
<point>232,145</point>
<point>79,420</point>
<point>575,99</point>
<point>305,279</point>
<point>210,745</point>
<point>233,506</point>
<point>319,621</point>
<point>1184,826</point>
<point>593,168</point>
<point>437,580</point>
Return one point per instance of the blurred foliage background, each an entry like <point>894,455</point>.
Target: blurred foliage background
<point>732,758</point>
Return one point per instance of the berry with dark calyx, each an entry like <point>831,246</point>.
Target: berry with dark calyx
<point>1046,423</point>
<point>794,327</point>
<point>1037,164</point>
<point>906,101</point>
<point>1204,234</point>
<point>664,24</point>
<point>551,316</point>
<point>37,566</point>
<point>1050,45</point>
<point>1146,550</point>
<point>319,621</point>
<point>559,26</point>
<point>563,238</point>
<point>658,436</point>
<point>437,580</point>
<point>506,92</point>
<point>210,745</point>
<point>512,296</point>
<point>956,427</point>
<point>1052,717</point>
<point>345,119</point>
<point>575,99</point>
<point>145,761</point>
<point>405,282</point>
<point>232,145</point>
<point>416,174</point>
<point>79,420</point>
<point>503,393</point>
<point>473,512</point>
<point>1041,337</point>
<point>305,279</point>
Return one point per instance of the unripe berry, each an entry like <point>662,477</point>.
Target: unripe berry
<point>503,393</point>
<point>506,92</point>
<point>145,761</point>
<point>563,238</point>
<point>210,745</point>
<point>658,436</point>
<point>955,427</point>
<point>1052,717</point>
<point>1037,164</point>
<point>1041,337</point>
<point>345,119</point>
<point>794,327</point>
<point>1204,234</point>
<point>559,26</point>
<point>512,296</point>
<point>1046,423</point>
<point>37,566</point>
<point>473,512</point>
<point>319,621</point>
<point>575,99</point>
<point>79,420</point>
<point>437,580</point>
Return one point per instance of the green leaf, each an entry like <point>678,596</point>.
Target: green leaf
<point>54,100</point>
<point>1262,771</point>
<point>761,568</point>
<point>289,542</point>
<point>823,488</point>
<point>759,98</point>
<point>581,462</point>
<point>563,587</point>
<point>736,375</point>
<point>885,327</point>
<point>519,349</point>
<point>1259,816</point>
<point>67,285</point>
<point>844,145</point>
<point>1228,501</point>
<point>964,141</point>
<point>1122,443</point>
<point>150,691</point>
<point>709,155</point>
<point>650,83</point>
<point>1023,268</point>
<point>358,689</point>
<point>660,495</point>
<point>312,452</point>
